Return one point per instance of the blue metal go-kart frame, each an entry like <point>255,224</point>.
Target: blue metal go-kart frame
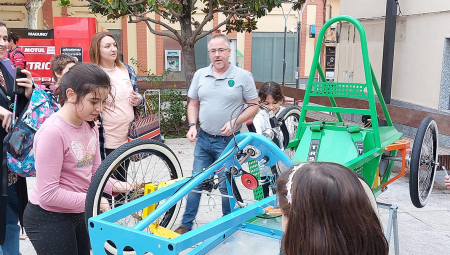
<point>248,146</point>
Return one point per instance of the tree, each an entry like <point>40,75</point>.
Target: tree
<point>240,16</point>
<point>33,7</point>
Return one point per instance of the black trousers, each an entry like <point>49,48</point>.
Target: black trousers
<point>56,233</point>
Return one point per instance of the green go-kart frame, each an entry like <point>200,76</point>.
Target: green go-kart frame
<point>369,151</point>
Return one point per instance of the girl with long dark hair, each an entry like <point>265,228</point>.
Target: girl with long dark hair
<point>326,211</point>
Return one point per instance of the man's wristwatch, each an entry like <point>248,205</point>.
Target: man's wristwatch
<point>191,124</point>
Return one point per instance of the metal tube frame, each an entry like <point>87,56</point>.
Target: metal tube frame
<point>392,225</point>
<point>102,227</point>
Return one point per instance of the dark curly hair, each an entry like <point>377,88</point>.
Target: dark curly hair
<point>13,37</point>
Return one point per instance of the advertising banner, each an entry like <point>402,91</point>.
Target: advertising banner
<point>38,47</point>
<point>71,36</point>
<point>76,52</point>
<point>38,54</point>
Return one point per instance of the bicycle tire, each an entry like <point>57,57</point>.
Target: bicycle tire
<point>424,158</point>
<point>150,152</point>
<point>289,118</point>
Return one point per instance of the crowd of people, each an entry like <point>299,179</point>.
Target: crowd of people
<point>325,209</point>
<point>68,147</point>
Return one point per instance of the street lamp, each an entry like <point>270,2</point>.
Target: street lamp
<point>299,31</point>
<point>286,17</point>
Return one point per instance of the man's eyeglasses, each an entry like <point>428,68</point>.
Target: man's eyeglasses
<point>220,51</point>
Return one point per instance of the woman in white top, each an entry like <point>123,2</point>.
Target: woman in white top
<point>119,109</point>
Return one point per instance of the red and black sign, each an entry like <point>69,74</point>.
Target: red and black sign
<point>38,54</point>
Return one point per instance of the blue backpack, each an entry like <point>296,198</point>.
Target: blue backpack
<point>19,140</point>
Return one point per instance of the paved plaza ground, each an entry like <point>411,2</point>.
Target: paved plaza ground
<point>421,231</point>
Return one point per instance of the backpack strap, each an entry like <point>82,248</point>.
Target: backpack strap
<point>8,66</point>
<point>3,193</point>
<point>9,74</point>
<point>18,51</point>
<point>14,52</point>
<point>7,99</point>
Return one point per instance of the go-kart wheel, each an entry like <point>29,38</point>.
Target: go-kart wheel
<point>423,162</point>
<point>289,124</point>
<point>145,161</point>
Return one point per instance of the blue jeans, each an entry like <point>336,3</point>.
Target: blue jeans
<point>11,246</point>
<point>207,150</point>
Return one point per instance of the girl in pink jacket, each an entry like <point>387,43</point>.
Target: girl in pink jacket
<point>67,154</point>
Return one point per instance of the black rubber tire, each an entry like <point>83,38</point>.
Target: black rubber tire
<point>158,159</point>
<point>289,113</point>
<point>424,158</point>
<point>289,118</point>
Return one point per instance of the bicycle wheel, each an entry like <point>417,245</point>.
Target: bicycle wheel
<point>423,162</point>
<point>289,124</point>
<point>145,161</point>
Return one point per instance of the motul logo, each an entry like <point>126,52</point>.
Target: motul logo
<point>38,50</point>
<point>34,50</point>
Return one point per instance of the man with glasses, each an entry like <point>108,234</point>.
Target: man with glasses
<point>215,92</point>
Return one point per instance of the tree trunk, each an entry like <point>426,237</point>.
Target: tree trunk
<point>33,7</point>
<point>189,63</point>
<point>187,43</point>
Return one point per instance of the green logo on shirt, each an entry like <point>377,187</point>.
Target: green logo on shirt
<point>231,83</point>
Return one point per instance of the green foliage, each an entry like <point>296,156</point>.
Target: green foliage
<point>150,76</point>
<point>244,12</point>
<point>179,22</point>
<point>63,3</point>
<point>172,112</point>
<point>173,109</point>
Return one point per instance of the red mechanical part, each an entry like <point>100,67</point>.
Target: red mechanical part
<point>249,181</point>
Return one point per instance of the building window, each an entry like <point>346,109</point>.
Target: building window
<point>201,53</point>
<point>267,56</point>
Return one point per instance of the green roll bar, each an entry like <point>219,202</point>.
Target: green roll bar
<point>347,89</point>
